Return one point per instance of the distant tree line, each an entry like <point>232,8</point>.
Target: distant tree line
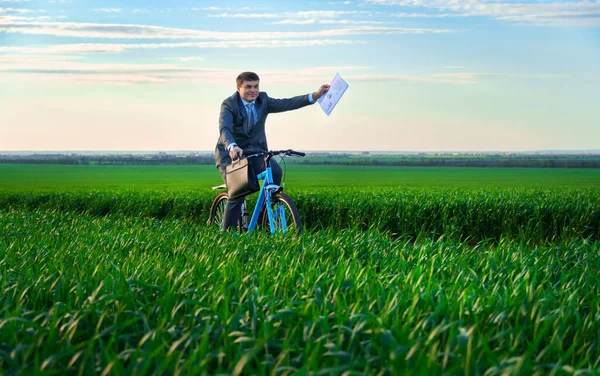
<point>453,162</point>
<point>544,161</point>
<point>112,160</point>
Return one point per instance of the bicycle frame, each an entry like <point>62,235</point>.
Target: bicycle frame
<point>264,197</point>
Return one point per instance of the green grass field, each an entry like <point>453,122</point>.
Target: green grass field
<point>64,177</point>
<point>466,271</point>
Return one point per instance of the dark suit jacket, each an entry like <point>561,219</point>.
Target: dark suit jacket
<point>231,123</point>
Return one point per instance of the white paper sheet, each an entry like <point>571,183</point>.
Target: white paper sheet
<point>336,89</point>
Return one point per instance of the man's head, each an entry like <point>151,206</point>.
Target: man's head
<point>247,85</point>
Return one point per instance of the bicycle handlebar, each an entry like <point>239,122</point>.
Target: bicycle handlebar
<point>273,153</point>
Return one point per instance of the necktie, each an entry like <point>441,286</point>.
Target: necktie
<point>249,110</point>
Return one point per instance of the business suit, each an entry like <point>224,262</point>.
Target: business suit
<point>234,128</point>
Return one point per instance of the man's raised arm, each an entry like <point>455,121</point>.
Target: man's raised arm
<point>287,104</point>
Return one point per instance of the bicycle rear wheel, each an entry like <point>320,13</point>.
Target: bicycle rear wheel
<point>217,210</point>
<point>286,217</point>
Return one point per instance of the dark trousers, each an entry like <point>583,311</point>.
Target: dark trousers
<point>233,210</point>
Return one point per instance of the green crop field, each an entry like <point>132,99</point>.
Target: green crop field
<point>201,177</point>
<point>401,270</point>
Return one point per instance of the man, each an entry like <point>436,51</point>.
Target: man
<point>242,126</point>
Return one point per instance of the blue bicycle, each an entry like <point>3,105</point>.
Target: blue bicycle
<point>274,210</point>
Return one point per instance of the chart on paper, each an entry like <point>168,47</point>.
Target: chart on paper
<point>336,89</point>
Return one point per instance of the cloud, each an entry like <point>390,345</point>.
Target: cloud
<point>428,15</point>
<point>15,10</point>
<point>224,9</point>
<point>12,18</point>
<point>320,17</point>
<point>294,15</point>
<point>578,13</point>
<point>18,59</point>
<point>108,10</point>
<point>116,47</point>
<point>310,21</point>
<point>132,31</point>
<point>25,68</point>
<point>313,21</point>
<point>473,76</point>
<point>324,13</point>
<point>244,15</point>
<point>418,79</point>
<point>185,59</point>
<point>64,69</point>
<point>190,58</point>
<point>348,22</point>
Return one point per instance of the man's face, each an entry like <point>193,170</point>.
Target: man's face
<point>248,90</point>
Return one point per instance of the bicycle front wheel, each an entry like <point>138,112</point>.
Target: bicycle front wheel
<point>286,217</point>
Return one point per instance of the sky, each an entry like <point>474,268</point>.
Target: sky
<point>423,75</point>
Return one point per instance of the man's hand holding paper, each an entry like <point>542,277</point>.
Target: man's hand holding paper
<point>319,93</point>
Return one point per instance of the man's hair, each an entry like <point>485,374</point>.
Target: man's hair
<point>246,76</point>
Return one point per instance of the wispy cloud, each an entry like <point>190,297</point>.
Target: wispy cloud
<point>63,69</point>
<point>322,17</point>
<point>348,22</point>
<point>184,59</point>
<point>451,78</point>
<point>73,69</point>
<point>310,21</point>
<point>19,59</point>
<point>244,15</point>
<point>67,64</point>
<point>222,9</point>
<point>577,13</point>
<point>416,79</point>
<point>15,10</point>
<point>120,47</point>
<point>429,15</point>
<point>475,75</point>
<point>109,10</point>
<point>131,76</point>
<point>302,14</point>
<point>190,58</point>
<point>130,31</point>
<point>7,16</point>
<point>314,21</point>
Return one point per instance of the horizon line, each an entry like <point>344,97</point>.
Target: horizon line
<point>62,151</point>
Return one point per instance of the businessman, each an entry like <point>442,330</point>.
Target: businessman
<point>242,126</point>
